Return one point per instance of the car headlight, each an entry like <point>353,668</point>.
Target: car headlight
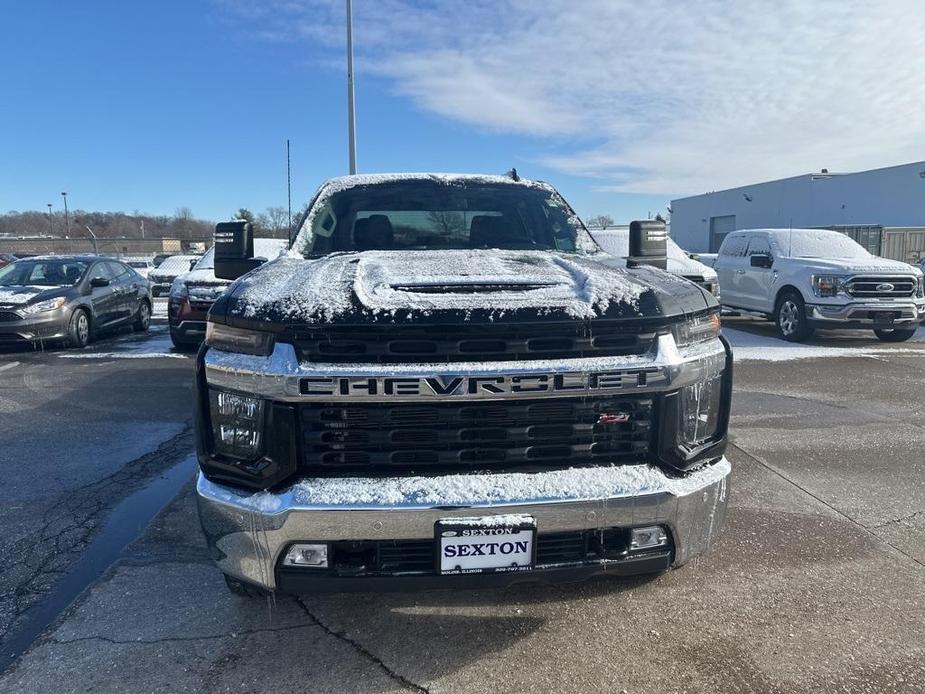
<point>699,408</point>
<point>237,424</point>
<point>920,288</point>
<point>229,339</point>
<point>695,330</point>
<point>178,290</point>
<point>42,306</point>
<point>828,285</point>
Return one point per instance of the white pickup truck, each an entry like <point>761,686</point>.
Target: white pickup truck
<point>805,279</point>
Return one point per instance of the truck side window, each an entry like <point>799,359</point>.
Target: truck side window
<point>734,245</point>
<point>759,245</point>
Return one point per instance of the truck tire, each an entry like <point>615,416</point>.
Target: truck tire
<point>790,317</point>
<point>78,329</point>
<point>240,588</point>
<point>142,317</point>
<point>895,335</point>
<point>180,344</point>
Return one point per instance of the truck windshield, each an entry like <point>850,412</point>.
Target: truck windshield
<point>819,243</point>
<point>436,215</point>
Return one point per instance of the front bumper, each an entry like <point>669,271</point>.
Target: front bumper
<point>48,325</point>
<point>248,533</point>
<point>860,314</point>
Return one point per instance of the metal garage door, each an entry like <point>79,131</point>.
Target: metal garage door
<point>719,227</point>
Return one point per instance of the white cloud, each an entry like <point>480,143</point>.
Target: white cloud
<point>652,97</point>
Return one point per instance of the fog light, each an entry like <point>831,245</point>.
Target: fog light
<point>646,538</point>
<point>313,556</point>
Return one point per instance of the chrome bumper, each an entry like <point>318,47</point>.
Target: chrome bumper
<point>247,533</point>
<point>858,312</point>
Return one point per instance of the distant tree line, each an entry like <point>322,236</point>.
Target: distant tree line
<point>183,224</point>
<point>274,223</point>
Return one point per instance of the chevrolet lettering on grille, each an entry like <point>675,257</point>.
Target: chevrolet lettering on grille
<point>477,387</point>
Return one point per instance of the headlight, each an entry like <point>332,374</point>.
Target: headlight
<point>694,330</point>
<point>920,290</point>
<point>237,424</point>
<point>230,339</point>
<point>828,285</point>
<point>699,412</point>
<point>178,289</point>
<point>42,306</point>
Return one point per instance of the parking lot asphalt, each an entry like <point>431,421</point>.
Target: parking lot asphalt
<point>817,583</point>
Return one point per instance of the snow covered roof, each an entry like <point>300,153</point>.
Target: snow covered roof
<point>345,182</point>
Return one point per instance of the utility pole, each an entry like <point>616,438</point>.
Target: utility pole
<point>96,250</point>
<point>67,220</point>
<point>51,228</point>
<point>351,115</point>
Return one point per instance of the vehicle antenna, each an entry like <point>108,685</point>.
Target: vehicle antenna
<point>790,240</point>
<point>289,189</point>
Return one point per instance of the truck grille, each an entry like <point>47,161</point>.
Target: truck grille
<point>887,287</point>
<point>390,344</point>
<point>448,437</point>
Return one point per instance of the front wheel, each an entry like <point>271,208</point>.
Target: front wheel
<point>790,317</point>
<point>78,329</point>
<point>895,335</point>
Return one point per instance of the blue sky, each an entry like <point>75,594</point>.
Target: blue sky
<point>622,105</point>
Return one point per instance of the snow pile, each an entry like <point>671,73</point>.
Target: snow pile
<point>383,282</point>
<point>747,346</point>
<point>503,488</point>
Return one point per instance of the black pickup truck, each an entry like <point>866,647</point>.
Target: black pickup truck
<point>446,383</point>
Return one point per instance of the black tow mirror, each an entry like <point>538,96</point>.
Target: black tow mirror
<point>648,244</point>
<point>761,260</point>
<point>234,250</point>
<point>99,282</point>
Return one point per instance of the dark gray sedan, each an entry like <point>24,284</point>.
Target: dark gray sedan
<point>70,298</point>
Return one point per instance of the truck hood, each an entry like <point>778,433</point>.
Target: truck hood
<point>20,295</point>
<point>849,266</point>
<point>436,286</point>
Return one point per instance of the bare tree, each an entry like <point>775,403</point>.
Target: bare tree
<point>602,220</point>
<point>447,222</point>
<point>275,222</point>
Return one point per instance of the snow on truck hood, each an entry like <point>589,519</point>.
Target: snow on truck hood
<point>423,282</point>
<point>852,265</point>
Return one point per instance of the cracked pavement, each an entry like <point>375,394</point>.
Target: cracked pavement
<point>816,584</point>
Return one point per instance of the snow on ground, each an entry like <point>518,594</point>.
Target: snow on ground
<point>754,346</point>
<point>153,344</point>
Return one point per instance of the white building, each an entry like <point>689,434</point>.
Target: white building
<point>883,209</point>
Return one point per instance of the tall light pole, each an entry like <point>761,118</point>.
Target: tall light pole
<point>67,220</point>
<point>351,116</point>
<point>51,228</point>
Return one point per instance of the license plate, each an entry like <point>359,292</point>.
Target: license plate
<point>486,545</point>
<point>885,318</point>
